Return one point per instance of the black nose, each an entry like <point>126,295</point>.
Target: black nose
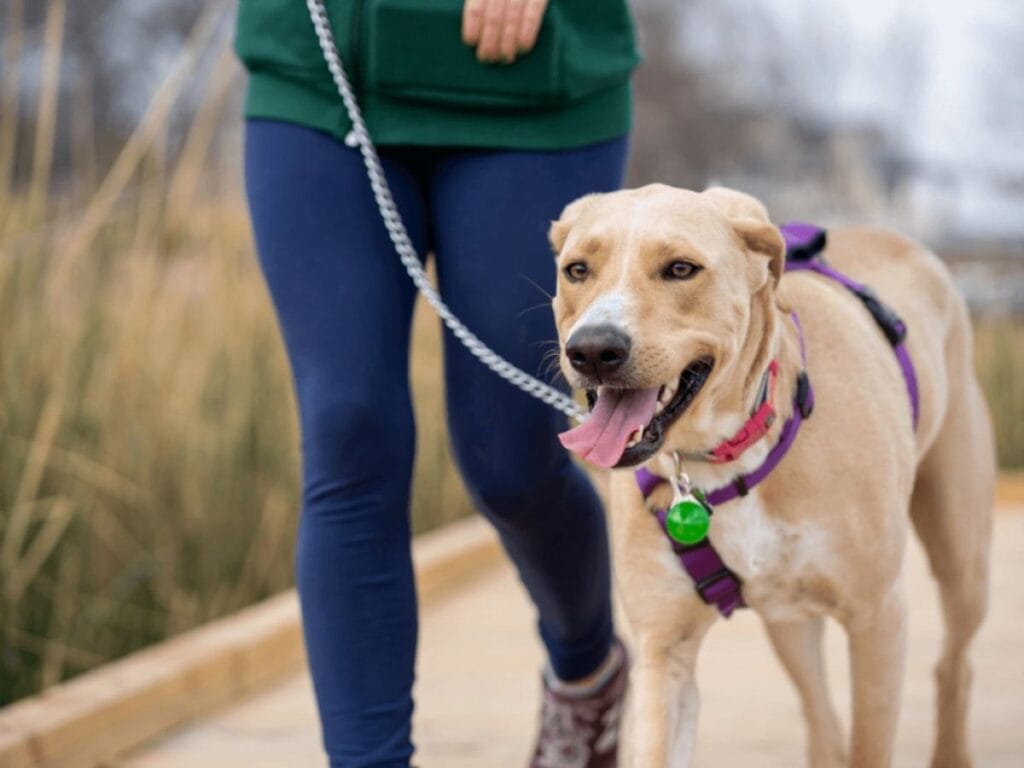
<point>597,350</point>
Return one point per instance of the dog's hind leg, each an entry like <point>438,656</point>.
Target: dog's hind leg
<point>798,646</point>
<point>951,510</point>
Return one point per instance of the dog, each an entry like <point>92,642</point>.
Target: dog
<point>683,296</point>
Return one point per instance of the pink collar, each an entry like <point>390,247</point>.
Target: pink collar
<point>754,429</point>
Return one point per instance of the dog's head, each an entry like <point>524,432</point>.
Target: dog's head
<point>656,291</point>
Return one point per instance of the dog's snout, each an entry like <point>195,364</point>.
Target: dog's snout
<point>597,350</point>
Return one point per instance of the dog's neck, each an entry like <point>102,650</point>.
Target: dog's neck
<point>771,336</point>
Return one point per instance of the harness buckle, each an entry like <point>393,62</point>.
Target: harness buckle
<point>714,578</point>
<point>740,484</point>
<point>803,389</point>
<point>756,426</point>
<point>804,242</point>
<point>892,325</point>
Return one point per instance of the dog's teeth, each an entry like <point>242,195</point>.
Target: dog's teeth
<point>667,392</point>
<point>635,437</point>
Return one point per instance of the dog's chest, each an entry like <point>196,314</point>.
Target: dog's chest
<point>784,565</point>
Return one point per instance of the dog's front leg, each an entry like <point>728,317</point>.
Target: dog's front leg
<point>668,620</point>
<point>877,647</point>
<point>665,705</point>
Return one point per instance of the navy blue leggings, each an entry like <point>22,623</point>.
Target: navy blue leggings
<point>344,304</point>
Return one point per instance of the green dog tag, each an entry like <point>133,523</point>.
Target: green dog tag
<point>688,521</point>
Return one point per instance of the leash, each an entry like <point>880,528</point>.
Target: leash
<point>360,137</point>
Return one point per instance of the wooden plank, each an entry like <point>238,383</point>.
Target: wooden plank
<point>88,720</point>
<point>446,559</point>
<point>14,750</point>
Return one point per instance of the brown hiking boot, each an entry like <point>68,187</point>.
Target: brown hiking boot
<point>582,731</point>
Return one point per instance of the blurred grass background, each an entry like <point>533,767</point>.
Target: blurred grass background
<point>148,447</point>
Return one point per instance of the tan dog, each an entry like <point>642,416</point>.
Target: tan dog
<point>657,279</point>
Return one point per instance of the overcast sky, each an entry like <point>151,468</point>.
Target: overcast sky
<point>943,78</point>
<point>948,113</point>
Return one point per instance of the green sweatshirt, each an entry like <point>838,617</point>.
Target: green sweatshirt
<point>418,83</point>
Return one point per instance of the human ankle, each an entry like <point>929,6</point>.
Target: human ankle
<point>592,683</point>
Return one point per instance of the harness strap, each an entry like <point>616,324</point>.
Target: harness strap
<point>715,583</point>
<point>804,243</point>
<point>803,404</point>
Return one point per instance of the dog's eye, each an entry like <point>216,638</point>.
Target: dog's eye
<point>681,270</point>
<point>576,271</point>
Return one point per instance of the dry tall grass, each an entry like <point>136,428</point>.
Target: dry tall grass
<point>148,451</point>
<point>999,356</point>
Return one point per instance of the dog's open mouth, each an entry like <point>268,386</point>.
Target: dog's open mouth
<point>627,426</point>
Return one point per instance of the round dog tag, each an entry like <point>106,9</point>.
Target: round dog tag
<point>688,521</point>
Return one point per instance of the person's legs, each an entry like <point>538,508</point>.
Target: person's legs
<point>490,213</point>
<point>344,306</point>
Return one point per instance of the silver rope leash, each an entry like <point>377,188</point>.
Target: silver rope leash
<point>400,237</point>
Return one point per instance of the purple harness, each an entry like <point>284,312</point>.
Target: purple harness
<point>804,243</point>
<point>715,583</point>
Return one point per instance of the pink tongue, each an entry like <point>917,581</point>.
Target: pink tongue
<point>602,438</point>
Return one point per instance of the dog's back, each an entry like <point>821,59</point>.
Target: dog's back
<point>918,286</point>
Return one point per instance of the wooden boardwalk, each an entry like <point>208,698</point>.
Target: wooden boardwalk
<point>478,684</point>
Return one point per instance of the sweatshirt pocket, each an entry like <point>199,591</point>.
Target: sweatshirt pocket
<point>413,49</point>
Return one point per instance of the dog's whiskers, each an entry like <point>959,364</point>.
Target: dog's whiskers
<point>549,296</point>
<point>542,305</point>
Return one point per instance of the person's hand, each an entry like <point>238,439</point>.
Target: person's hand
<point>501,29</point>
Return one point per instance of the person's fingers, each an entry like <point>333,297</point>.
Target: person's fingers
<point>509,45</point>
<point>529,26</point>
<point>490,35</point>
<point>472,21</point>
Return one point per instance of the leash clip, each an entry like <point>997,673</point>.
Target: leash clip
<point>681,484</point>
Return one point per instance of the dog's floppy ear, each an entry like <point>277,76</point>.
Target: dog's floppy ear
<point>749,218</point>
<point>559,230</point>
